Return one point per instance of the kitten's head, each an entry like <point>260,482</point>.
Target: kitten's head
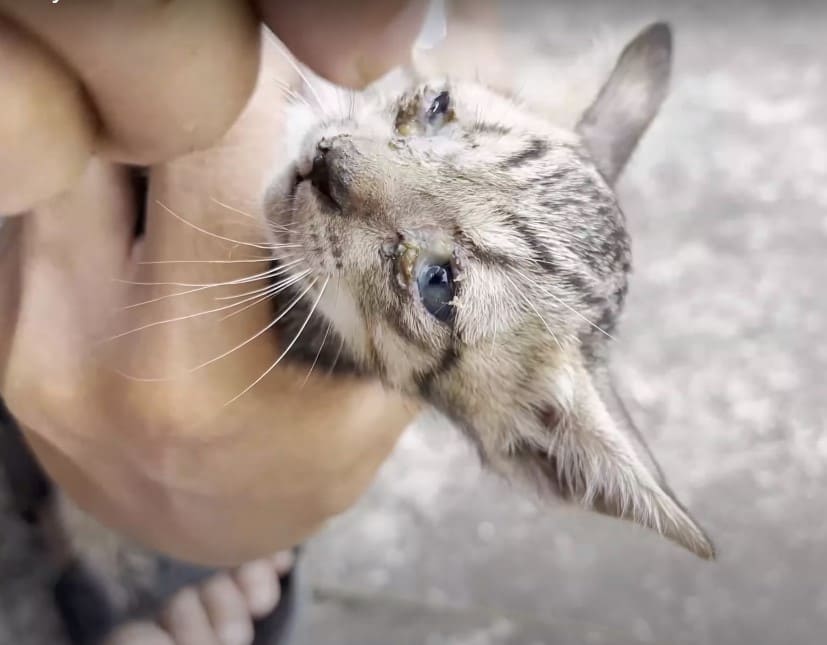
<point>474,254</point>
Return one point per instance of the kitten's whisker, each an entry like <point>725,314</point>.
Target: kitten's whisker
<point>209,233</point>
<point>287,349</point>
<point>531,304</point>
<point>269,326</point>
<point>193,369</point>
<point>179,319</point>
<point>341,111</point>
<point>243,261</point>
<point>233,209</point>
<point>282,269</point>
<point>292,93</point>
<point>344,98</point>
<point>292,257</point>
<point>324,337</point>
<point>136,283</point>
<point>278,228</point>
<point>318,353</point>
<point>246,214</point>
<point>288,208</point>
<point>259,300</point>
<point>165,297</point>
<point>349,111</point>
<point>253,278</point>
<point>338,355</point>
<point>571,309</point>
<point>291,61</point>
<point>275,285</point>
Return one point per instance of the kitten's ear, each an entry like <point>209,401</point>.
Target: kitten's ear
<point>612,126</point>
<point>601,462</point>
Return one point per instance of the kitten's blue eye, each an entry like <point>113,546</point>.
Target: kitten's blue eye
<point>439,107</point>
<point>436,290</point>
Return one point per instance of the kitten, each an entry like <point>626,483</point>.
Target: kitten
<point>472,254</point>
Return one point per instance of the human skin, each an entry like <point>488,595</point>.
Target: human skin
<point>166,462</point>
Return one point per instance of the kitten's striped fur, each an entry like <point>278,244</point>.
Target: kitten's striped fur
<point>538,244</point>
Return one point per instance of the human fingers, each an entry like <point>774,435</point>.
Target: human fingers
<point>258,581</point>
<point>187,620</point>
<point>349,42</point>
<point>227,609</point>
<point>162,77</point>
<point>142,632</point>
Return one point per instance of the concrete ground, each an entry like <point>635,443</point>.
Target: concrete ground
<point>722,363</point>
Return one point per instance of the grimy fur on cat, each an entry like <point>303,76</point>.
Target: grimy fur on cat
<point>473,254</point>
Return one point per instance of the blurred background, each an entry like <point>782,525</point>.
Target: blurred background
<point>720,358</point>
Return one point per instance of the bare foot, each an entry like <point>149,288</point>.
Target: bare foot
<point>219,611</point>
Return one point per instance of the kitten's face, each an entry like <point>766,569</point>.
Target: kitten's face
<point>474,255</point>
<point>450,219</point>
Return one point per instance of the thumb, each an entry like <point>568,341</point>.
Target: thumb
<point>349,42</point>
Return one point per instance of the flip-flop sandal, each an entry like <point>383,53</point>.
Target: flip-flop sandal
<point>87,612</point>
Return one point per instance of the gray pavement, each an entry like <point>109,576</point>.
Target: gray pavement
<point>721,359</point>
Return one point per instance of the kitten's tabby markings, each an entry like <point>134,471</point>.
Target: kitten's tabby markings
<point>536,149</point>
<point>481,260</point>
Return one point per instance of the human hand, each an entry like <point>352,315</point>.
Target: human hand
<point>164,460</point>
<point>145,82</point>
